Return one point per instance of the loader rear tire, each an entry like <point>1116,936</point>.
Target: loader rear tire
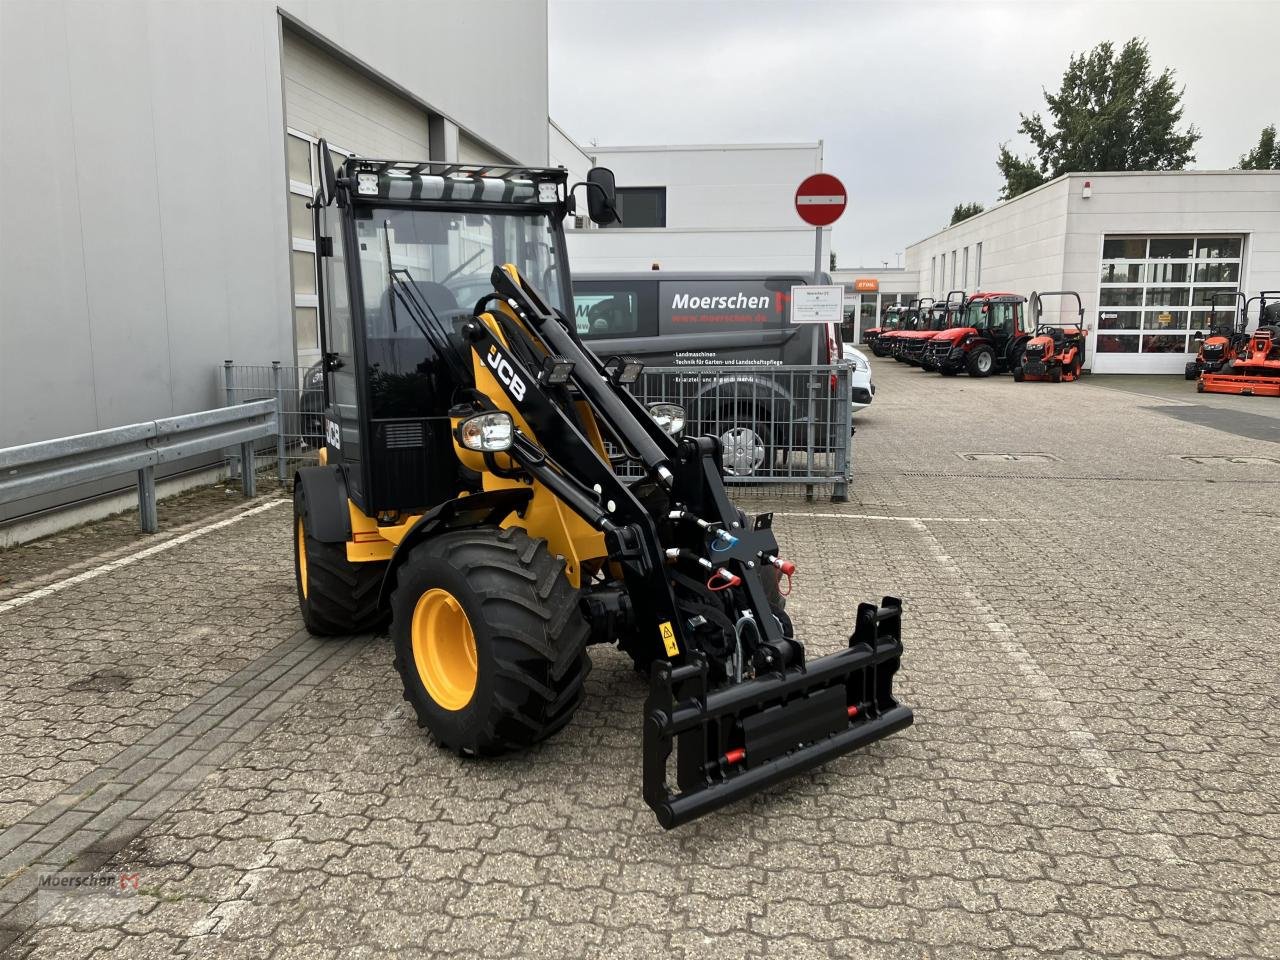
<point>336,597</point>
<point>490,641</point>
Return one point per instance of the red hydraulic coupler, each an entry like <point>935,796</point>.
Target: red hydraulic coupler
<point>785,566</point>
<point>720,579</point>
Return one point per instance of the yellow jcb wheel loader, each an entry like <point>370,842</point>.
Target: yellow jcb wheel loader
<point>467,494</point>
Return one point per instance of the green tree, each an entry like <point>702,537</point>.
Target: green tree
<point>1019,175</point>
<point>1266,155</point>
<point>832,255</point>
<point>964,211</point>
<point>1111,113</point>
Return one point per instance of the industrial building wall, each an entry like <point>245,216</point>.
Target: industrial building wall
<point>482,63</point>
<point>1021,248</point>
<point>728,207</point>
<point>1195,204</point>
<point>745,186</point>
<point>783,249</point>
<point>154,241</point>
<point>565,152</point>
<point>145,238</point>
<point>326,97</point>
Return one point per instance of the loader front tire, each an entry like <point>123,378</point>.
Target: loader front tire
<point>336,597</point>
<point>490,641</point>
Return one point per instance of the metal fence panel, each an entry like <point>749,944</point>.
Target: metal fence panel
<point>764,416</point>
<point>299,411</point>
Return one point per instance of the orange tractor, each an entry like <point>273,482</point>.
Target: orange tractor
<point>1055,351</point>
<point>1225,338</point>
<point>1255,370</point>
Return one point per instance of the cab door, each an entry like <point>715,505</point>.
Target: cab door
<point>342,434</point>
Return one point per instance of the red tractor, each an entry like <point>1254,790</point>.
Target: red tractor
<point>988,337</point>
<point>1255,372</point>
<point>940,316</point>
<point>1225,339</point>
<point>874,337</point>
<point>906,318</point>
<point>925,322</point>
<point>1055,351</point>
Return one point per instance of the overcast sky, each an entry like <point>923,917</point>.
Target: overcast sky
<point>910,99</point>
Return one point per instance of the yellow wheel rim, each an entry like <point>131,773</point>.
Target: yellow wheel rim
<point>444,649</point>
<point>300,535</point>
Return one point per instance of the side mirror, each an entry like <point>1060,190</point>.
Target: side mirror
<point>602,196</point>
<point>1198,335</point>
<point>328,178</point>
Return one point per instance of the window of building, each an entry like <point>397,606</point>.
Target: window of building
<point>977,267</point>
<point>954,263</point>
<point>302,157</point>
<point>641,207</point>
<point>1154,292</point>
<point>964,285</point>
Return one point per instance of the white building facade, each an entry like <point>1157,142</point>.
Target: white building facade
<point>718,207</point>
<point>1151,255</point>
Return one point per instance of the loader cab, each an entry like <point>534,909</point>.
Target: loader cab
<point>407,250</point>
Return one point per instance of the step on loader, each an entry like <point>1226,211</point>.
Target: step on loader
<point>1055,351</point>
<point>471,495</point>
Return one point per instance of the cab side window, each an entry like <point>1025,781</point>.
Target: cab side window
<point>1000,319</point>
<point>612,310</point>
<point>606,314</point>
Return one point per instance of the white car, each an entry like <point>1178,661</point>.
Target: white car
<point>864,390</point>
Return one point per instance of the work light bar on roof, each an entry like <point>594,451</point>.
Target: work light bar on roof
<point>437,180</point>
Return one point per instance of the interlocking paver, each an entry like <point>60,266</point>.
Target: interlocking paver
<point>1093,771</point>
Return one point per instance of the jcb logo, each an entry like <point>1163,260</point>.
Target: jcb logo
<point>506,373</point>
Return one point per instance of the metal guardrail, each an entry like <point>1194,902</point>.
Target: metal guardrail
<point>51,465</point>
<point>763,414</point>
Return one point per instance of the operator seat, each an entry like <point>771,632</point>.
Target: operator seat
<point>405,357</point>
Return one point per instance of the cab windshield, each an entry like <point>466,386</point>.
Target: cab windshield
<point>1002,317</point>
<point>442,260</point>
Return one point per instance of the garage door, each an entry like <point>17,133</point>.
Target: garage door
<point>323,97</point>
<point>1155,292</point>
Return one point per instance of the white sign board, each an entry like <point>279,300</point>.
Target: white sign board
<point>814,304</point>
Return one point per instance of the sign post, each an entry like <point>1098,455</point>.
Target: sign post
<point>820,200</point>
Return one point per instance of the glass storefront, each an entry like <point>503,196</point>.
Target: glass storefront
<point>863,311</point>
<point>1154,292</point>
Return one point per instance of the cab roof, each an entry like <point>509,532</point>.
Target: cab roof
<point>438,180</point>
<point>1013,297</point>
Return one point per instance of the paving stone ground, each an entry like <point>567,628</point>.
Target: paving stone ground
<point>1092,655</point>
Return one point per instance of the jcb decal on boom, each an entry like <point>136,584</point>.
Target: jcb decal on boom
<point>506,373</point>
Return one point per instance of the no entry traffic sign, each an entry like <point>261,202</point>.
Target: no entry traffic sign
<point>820,200</point>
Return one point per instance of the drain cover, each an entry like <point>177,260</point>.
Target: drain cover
<point>1246,461</point>
<point>1010,457</point>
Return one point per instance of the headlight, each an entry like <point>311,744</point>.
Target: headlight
<point>668,416</point>
<point>316,378</point>
<point>487,432</point>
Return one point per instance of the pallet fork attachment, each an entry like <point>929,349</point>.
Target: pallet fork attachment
<point>738,740</point>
